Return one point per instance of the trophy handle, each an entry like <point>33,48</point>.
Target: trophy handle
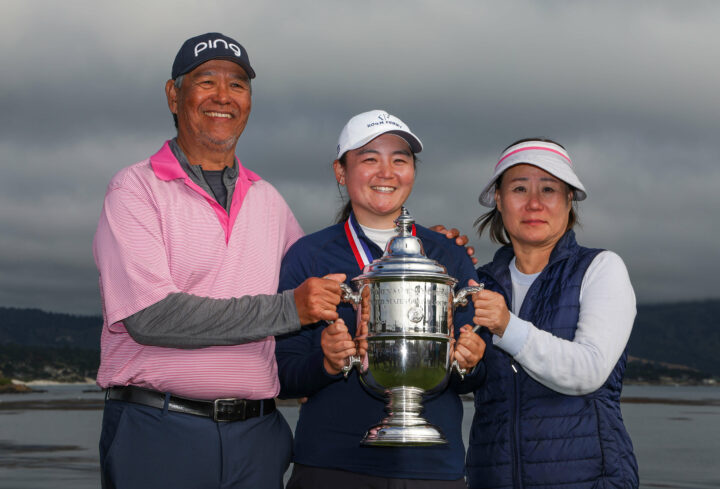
<point>462,300</point>
<point>350,362</point>
<point>354,299</point>
<point>349,296</point>
<point>461,297</point>
<point>461,371</point>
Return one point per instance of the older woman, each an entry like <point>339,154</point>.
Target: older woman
<point>560,316</point>
<point>376,164</point>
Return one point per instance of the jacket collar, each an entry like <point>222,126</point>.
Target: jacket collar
<point>372,249</point>
<point>167,167</point>
<point>499,267</point>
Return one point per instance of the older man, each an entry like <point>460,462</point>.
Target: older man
<point>188,247</point>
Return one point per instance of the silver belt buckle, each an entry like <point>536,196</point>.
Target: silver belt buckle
<point>233,402</point>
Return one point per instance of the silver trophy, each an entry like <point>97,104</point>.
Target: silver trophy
<point>405,304</point>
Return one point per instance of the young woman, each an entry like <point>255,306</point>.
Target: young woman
<point>376,164</point>
<point>560,316</point>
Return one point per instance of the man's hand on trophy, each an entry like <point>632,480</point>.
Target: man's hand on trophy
<point>460,240</point>
<point>317,298</point>
<point>337,346</point>
<point>469,348</point>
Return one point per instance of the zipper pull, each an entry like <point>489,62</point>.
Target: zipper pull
<point>512,365</point>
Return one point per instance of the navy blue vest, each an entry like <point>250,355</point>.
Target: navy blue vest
<point>525,435</point>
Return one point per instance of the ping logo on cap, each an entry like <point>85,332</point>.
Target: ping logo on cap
<point>214,44</point>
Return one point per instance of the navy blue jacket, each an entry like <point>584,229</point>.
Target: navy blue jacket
<point>525,435</point>
<point>339,411</point>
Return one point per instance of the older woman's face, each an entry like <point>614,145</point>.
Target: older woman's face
<point>535,206</point>
<point>379,178</point>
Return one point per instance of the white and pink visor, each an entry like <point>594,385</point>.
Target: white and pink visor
<point>546,156</point>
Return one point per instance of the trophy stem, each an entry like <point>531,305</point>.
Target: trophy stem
<point>404,426</point>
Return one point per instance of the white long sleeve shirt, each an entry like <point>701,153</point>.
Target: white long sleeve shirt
<point>607,313</point>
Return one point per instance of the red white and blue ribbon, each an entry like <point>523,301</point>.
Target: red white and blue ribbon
<point>359,248</point>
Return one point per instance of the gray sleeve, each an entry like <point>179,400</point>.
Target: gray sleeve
<point>189,321</point>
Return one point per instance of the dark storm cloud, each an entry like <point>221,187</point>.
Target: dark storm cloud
<point>628,88</point>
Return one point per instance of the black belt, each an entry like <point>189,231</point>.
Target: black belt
<point>217,410</point>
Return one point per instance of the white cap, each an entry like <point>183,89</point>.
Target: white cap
<point>545,155</point>
<point>365,127</point>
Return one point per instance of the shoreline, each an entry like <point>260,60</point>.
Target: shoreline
<point>665,383</point>
<point>97,403</point>
<point>46,382</point>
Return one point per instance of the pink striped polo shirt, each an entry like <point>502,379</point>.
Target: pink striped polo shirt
<point>160,233</point>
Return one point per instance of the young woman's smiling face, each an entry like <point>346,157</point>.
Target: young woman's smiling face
<point>379,178</point>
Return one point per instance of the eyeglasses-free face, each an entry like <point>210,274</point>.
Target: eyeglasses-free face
<point>379,178</point>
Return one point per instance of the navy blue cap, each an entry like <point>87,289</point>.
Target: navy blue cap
<point>213,45</point>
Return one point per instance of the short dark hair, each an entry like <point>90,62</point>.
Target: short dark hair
<point>178,83</point>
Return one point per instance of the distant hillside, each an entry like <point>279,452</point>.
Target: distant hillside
<point>686,333</point>
<point>42,345</point>
<point>33,327</point>
<point>58,364</point>
<point>678,341</point>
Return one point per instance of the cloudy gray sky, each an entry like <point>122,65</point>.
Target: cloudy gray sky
<point>630,88</point>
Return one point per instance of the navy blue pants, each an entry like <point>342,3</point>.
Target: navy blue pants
<point>147,448</point>
<point>307,477</point>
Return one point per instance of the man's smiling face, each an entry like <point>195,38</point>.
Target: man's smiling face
<point>212,105</point>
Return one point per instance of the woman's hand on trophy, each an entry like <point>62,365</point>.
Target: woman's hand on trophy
<point>469,348</point>
<point>337,346</point>
<point>317,299</point>
<point>491,311</point>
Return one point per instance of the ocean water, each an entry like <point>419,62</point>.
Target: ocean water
<point>675,431</point>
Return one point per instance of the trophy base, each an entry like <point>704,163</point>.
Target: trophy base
<point>404,427</point>
<point>385,435</point>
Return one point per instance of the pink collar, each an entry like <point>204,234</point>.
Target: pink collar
<point>167,167</point>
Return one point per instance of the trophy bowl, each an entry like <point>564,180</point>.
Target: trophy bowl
<point>405,303</point>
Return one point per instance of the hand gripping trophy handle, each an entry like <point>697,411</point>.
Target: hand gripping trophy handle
<point>461,300</point>
<point>354,299</point>
<point>405,310</point>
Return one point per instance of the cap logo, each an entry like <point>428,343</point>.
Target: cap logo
<point>384,119</point>
<point>213,44</point>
